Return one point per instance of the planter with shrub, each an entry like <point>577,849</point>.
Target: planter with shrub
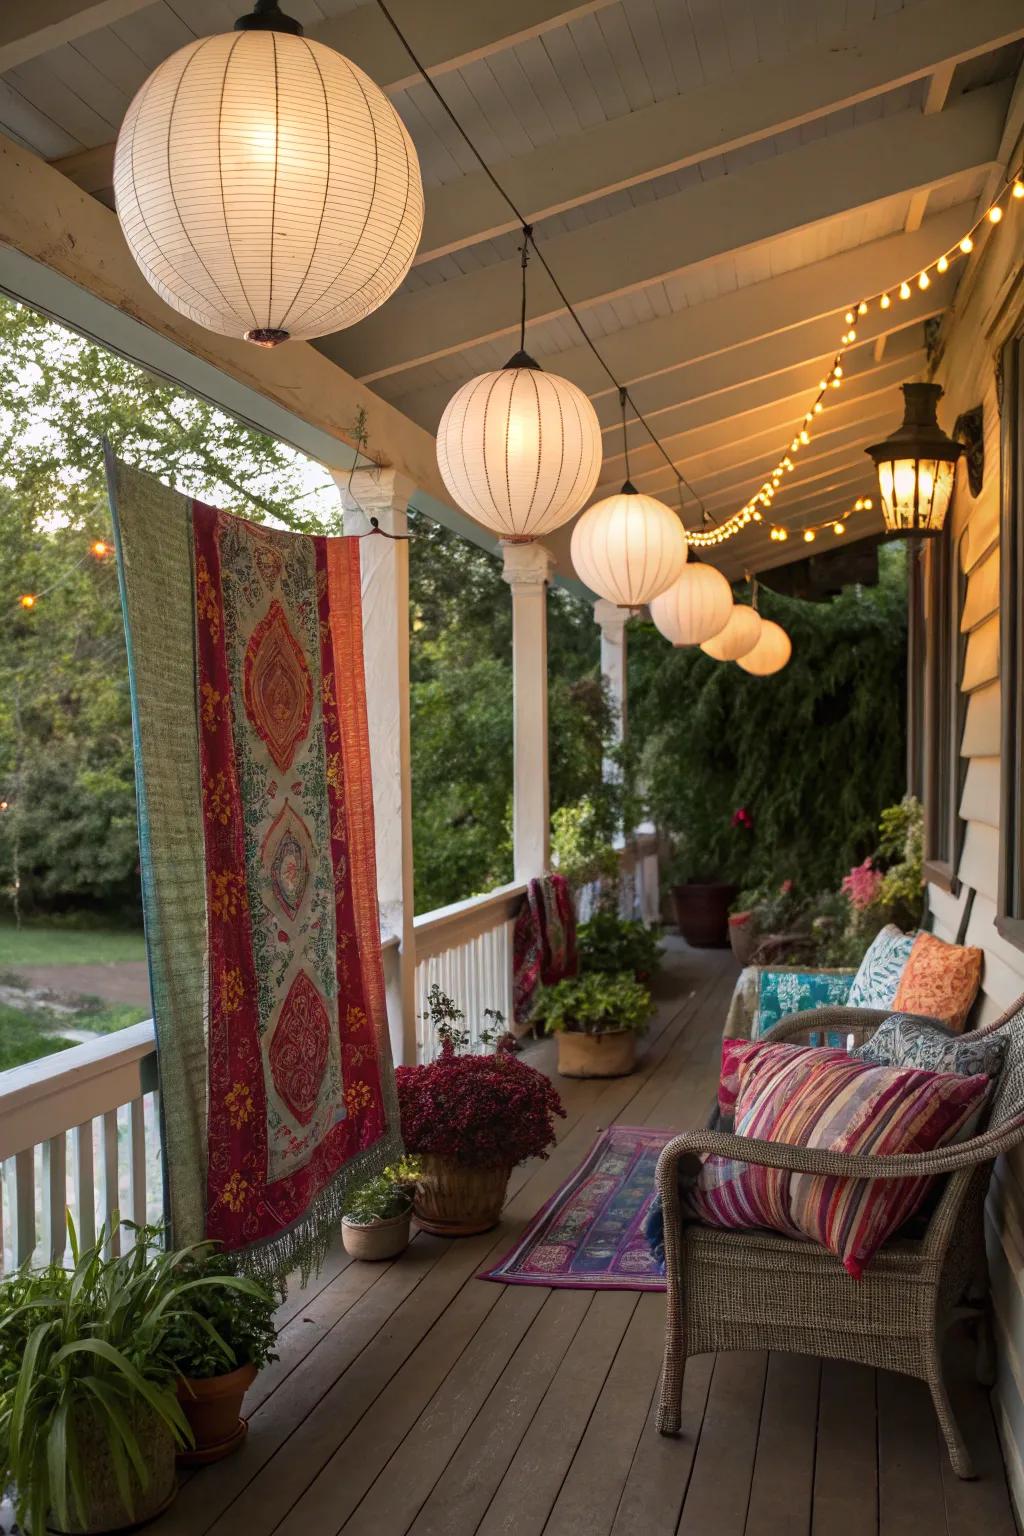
<point>609,943</point>
<point>597,1018</point>
<point>469,1118</point>
<point>219,1347</point>
<point>378,1213</point>
<point>89,1413</point>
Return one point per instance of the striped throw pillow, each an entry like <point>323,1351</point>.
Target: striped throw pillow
<point>809,1097</point>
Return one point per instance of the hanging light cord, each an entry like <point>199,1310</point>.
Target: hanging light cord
<point>524,255</point>
<point>623,397</point>
<point>527,228</point>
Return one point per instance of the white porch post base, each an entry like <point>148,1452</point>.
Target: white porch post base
<point>384,494</point>
<point>527,569</point>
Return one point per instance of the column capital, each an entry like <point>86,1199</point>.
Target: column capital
<point>526,565</point>
<point>612,618</point>
<point>372,492</point>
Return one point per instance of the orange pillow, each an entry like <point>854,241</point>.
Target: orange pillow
<point>939,980</point>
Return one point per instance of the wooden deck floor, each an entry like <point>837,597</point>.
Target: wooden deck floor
<point>411,1397</point>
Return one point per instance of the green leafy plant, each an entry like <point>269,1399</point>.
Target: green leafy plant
<point>581,841</point>
<point>85,1351</point>
<point>595,1004</point>
<point>223,1328</point>
<point>608,942</point>
<point>448,1023</point>
<point>389,1194</point>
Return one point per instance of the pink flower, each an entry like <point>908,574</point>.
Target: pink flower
<point>861,885</point>
<point>786,888</point>
<point>743,818</point>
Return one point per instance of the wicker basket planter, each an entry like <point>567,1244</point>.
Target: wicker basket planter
<point>213,1407</point>
<point>611,1054</point>
<point>744,937</point>
<point>376,1240</point>
<point>104,1510</point>
<point>454,1200</point>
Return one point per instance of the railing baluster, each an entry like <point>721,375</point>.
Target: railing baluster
<point>85,1187</point>
<point>55,1197</point>
<point>111,1194</point>
<point>137,1161</point>
<point>25,1205</point>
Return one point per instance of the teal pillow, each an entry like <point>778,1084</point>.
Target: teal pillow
<point>875,983</point>
<point>784,992</point>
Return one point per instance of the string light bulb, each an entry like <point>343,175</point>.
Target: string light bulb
<point>995,213</point>
<point>942,265</point>
<point>808,535</point>
<point>862,307</point>
<point>904,290</point>
<point>849,317</point>
<point>923,280</point>
<point>100,548</point>
<point>1018,188</point>
<point>967,245</point>
<point>838,528</point>
<point>27,599</point>
<point>885,301</point>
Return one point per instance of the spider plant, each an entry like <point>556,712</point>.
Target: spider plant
<point>83,1356</point>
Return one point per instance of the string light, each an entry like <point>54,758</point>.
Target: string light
<point>885,301</point>
<point>779,535</point>
<point>1018,188</point>
<point>27,599</point>
<point>100,549</point>
<point>904,290</point>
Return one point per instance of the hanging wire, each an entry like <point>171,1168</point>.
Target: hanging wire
<point>623,397</point>
<point>527,229</point>
<point>524,255</point>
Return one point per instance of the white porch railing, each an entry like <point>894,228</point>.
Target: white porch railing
<point>80,1129</point>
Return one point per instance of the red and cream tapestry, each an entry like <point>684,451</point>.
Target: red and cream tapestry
<point>299,1087</point>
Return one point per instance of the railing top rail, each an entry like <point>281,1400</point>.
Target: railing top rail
<point>69,1069</point>
<point>462,920</point>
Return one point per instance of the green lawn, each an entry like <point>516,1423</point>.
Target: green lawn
<point>23,1037</point>
<point>38,944</point>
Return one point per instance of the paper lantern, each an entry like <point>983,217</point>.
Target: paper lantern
<point>739,636</point>
<point>695,607</point>
<point>770,654</point>
<point>628,547</point>
<point>266,187</point>
<point>519,449</point>
<point>916,465</point>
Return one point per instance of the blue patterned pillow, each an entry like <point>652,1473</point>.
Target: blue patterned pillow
<point>782,992</point>
<point>906,1040</point>
<point>875,983</point>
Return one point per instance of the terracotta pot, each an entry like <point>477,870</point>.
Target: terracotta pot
<point>456,1201</point>
<point>376,1239</point>
<point>213,1407</point>
<point>104,1509</point>
<point>612,1054</point>
<point>702,913</point>
<point>744,938</point>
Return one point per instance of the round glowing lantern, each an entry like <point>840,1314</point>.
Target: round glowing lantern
<point>628,547</point>
<point>770,654</point>
<point>519,449</point>
<point>695,607</point>
<point>739,636</point>
<point>266,187</point>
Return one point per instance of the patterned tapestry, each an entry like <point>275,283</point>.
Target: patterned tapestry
<point>258,870</point>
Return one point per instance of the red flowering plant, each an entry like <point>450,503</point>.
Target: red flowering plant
<point>482,1110</point>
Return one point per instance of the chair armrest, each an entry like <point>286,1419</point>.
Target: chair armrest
<point>813,1160</point>
<point>859,1022</point>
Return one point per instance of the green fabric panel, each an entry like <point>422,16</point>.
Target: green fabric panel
<point>153,529</point>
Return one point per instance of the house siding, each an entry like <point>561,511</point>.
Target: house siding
<point>988,310</point>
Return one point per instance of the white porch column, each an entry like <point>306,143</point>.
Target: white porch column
<point>384,494</point>
<point>612,621</point>
<point>527,569</point>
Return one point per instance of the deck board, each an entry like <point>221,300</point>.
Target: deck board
<point>413,1400</point>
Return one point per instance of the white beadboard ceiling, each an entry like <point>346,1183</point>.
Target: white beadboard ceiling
<point>715,344</point>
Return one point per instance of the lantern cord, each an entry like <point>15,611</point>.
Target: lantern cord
<point>527,229</point>
<point>524,257</point>
<point>623,397</point>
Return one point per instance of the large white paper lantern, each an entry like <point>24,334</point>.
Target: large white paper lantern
<point>695,607</point>
<point>771,652</point>
<point>267,188</point>
<point>739,636</point>
<point>519,449</point>
<point>628,547</point>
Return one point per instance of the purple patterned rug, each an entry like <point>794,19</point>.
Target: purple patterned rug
<point>590,1234</point>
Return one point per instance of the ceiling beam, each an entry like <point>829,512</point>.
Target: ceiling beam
<point>927,39</point>
<point>817,181</point>
<point>27,30</point>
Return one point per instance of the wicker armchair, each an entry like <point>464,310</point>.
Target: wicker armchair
<point>760,1290</point>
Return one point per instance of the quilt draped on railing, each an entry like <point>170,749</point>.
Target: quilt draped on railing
<point>258,870</point>
<point>543,944</point>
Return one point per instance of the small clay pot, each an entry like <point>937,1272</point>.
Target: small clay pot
<point>456,1201</point>
<point>213,1407</point>
<point>612,1054</point>
<point>376,1240</point>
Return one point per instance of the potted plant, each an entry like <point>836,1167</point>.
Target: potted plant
<point>470,1118</point>
<point>597,1018</point>
<point>376,1221</point>
<point>611,943</point>
<point>218,1346</point>
<point>702,891</point>
<point>89,1412</point>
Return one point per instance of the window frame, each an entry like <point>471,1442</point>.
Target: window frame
<point>1010,898</point>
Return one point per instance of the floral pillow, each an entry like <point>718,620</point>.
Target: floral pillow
<point>940,980</point>
<point>809,1097</point>
<point>781,992</point>
<point>875,983</point>
<point>906,1041</point>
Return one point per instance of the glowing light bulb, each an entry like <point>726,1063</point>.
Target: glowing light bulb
<point>27,600</point>
<point>794,445</point>
<point>1018,188</point>
<point>942,265</point>
<point>805,436</point>
<point>862,307</point>
<point>885,301</point>
<point>837,371</point>
<point>923,280</point>
<point>838,528</point>
<point>849,317</point>
<point>852,334</point>
<point>967,245</point>
<point>995,214</point>
<point>757,517</point>
<point>99,549</point>
<point>904,290</point>
<point>868,503</point>
<point>818,407</point>
<point>808,535</point>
